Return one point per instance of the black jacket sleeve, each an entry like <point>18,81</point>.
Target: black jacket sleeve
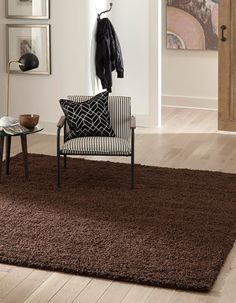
<point>119,66</point>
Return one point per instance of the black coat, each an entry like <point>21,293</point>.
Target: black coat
<point>108,53</point>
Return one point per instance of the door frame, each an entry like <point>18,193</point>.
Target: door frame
<point>154,116</point>
<point>227,66</point>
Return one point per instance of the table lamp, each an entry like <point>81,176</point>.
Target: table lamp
<point>26,62</point>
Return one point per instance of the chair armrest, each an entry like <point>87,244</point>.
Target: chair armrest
<point>133,122</point>
<point>61,122</point>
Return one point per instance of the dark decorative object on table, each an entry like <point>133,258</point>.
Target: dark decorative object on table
<point>29,121</point>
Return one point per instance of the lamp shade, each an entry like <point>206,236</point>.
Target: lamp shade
<point>28,62</point>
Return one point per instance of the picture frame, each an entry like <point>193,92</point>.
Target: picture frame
<point>29,38</point>
<point>28,9</point>
<point>192,25</point>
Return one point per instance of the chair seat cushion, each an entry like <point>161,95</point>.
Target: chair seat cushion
<point>97,146</point>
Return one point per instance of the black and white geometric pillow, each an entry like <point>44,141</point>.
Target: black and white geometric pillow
<point>90,118</point>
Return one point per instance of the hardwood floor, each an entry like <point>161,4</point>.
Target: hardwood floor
<point>188,139</point>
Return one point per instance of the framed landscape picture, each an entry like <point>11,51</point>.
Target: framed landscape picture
<point>192,24</point>
<point>27,9</point>
<point>34,39</point>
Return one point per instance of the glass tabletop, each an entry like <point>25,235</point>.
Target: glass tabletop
<point>12,131</point>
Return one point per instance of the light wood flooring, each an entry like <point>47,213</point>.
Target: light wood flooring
<point>188,139</point>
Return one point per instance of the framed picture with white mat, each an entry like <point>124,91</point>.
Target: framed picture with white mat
<point>28,9</point>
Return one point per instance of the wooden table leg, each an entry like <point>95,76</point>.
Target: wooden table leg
<point>25,155</point>
<point>1,155</point>
<point>8,153</point>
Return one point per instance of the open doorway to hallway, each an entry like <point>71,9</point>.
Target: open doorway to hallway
<point>190,62</point>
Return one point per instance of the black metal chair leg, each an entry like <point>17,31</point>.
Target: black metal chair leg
<point>58,171</point>
<point>132,172</point>
<point>58,159</point>
<point>25,155</point>
<point>65,161</point>
<point>65,158</point>
<point>1,155</point>
<point>8,154</point>
<point>132,160</point>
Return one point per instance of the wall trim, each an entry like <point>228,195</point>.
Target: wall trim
<point>50,128</point>
<point>190,102</point>
<point>145,120</point>
<point>149,119</point>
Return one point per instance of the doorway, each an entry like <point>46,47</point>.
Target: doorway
<point>190,65</point>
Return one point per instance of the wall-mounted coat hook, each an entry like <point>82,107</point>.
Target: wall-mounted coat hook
<point>99,15</point>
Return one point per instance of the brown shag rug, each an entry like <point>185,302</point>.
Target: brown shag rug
<point>174,230</point>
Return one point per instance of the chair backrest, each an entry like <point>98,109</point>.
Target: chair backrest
<point>120,113</point>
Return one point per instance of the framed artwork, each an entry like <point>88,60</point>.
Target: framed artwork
<point>27,9</point>
<point>192,24</point>
<point>34,39</point>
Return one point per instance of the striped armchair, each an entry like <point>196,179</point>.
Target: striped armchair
<point>123,125</point>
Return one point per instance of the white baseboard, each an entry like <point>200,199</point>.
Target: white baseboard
<point>145,121</point>
<point>50,128</point>
<point>190,102</point>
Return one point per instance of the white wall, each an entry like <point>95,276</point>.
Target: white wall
<point>135,22</point>
<point>72,50</point>
<point>190,78</point>
<point>134,39</point>
<point>186,75</point>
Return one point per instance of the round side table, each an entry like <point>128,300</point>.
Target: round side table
<point>23,137</point>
